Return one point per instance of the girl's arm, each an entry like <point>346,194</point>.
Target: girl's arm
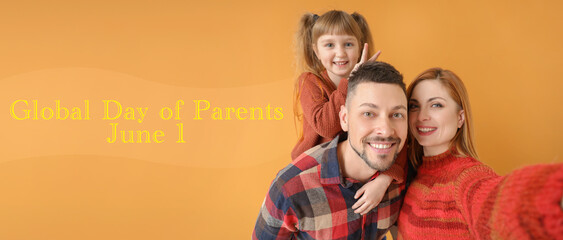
<point>321,109</point>
<point>372,192</point>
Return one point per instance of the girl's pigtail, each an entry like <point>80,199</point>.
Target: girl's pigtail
<point>306,62</point>
<point>306,58</point>
<point>363,24</point>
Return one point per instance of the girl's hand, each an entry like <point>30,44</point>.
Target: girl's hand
<point>372,193</point>
<point>364,57</point>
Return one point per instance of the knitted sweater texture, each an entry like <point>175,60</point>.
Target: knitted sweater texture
<point>320,102</point>
<point>456,197</point>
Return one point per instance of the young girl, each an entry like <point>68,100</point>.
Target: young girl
<point>328,49</point>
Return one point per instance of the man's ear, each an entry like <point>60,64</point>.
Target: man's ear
<point>461,118</point>
<point>343,116</point>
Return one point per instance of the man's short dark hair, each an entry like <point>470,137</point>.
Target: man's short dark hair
<point>376,72</point>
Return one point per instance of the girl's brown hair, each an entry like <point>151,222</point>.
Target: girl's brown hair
<point>311,27</point>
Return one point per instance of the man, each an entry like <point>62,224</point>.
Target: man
<point>312,197</point>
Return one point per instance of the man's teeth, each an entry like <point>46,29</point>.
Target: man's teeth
<point>380,146</point>
<point>426,129</point>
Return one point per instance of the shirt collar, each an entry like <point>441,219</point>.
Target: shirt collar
<point>329,171</point>
<point>330,168</point>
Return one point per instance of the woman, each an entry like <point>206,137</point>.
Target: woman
<point>454,196</point>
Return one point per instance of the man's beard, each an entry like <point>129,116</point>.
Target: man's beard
<point>372,165</point>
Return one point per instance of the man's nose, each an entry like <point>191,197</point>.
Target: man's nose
<point>383,127</point>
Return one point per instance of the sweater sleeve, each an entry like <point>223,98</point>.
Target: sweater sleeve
<point>320,108</point>
<point>525,204</point>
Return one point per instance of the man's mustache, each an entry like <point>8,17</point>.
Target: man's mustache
<point>381,139</point>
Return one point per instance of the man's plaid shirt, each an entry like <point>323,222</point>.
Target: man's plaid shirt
<point>309,199</point>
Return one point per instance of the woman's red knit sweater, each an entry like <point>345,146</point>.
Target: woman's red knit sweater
<point>460,198</point>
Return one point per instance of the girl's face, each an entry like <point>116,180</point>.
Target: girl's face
<point>434,117</point>
<point>338,54</point>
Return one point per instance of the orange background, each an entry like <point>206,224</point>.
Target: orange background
<point>60,179</point>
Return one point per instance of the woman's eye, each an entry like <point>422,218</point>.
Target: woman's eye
<point>438,105</point>
<point>413,107</point>
<point>329,45</point>
<point>349,44</point>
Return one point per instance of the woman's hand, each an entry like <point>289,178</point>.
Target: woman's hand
<point>364,57</point>
<point>371,194</point>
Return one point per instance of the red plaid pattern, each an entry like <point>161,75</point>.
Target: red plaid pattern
<point>309,199</point>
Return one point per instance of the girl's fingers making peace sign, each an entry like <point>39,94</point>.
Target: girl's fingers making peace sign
<point>364,57</point>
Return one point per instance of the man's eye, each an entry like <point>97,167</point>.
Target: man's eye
<point>368,114</point>
<point>398,115</point>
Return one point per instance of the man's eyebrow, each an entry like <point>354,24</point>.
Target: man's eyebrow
<point>399,107</point>
<point>371,105</point>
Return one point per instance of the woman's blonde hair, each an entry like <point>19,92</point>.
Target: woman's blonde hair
<point>463,139</point>
<point>311,27</point>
